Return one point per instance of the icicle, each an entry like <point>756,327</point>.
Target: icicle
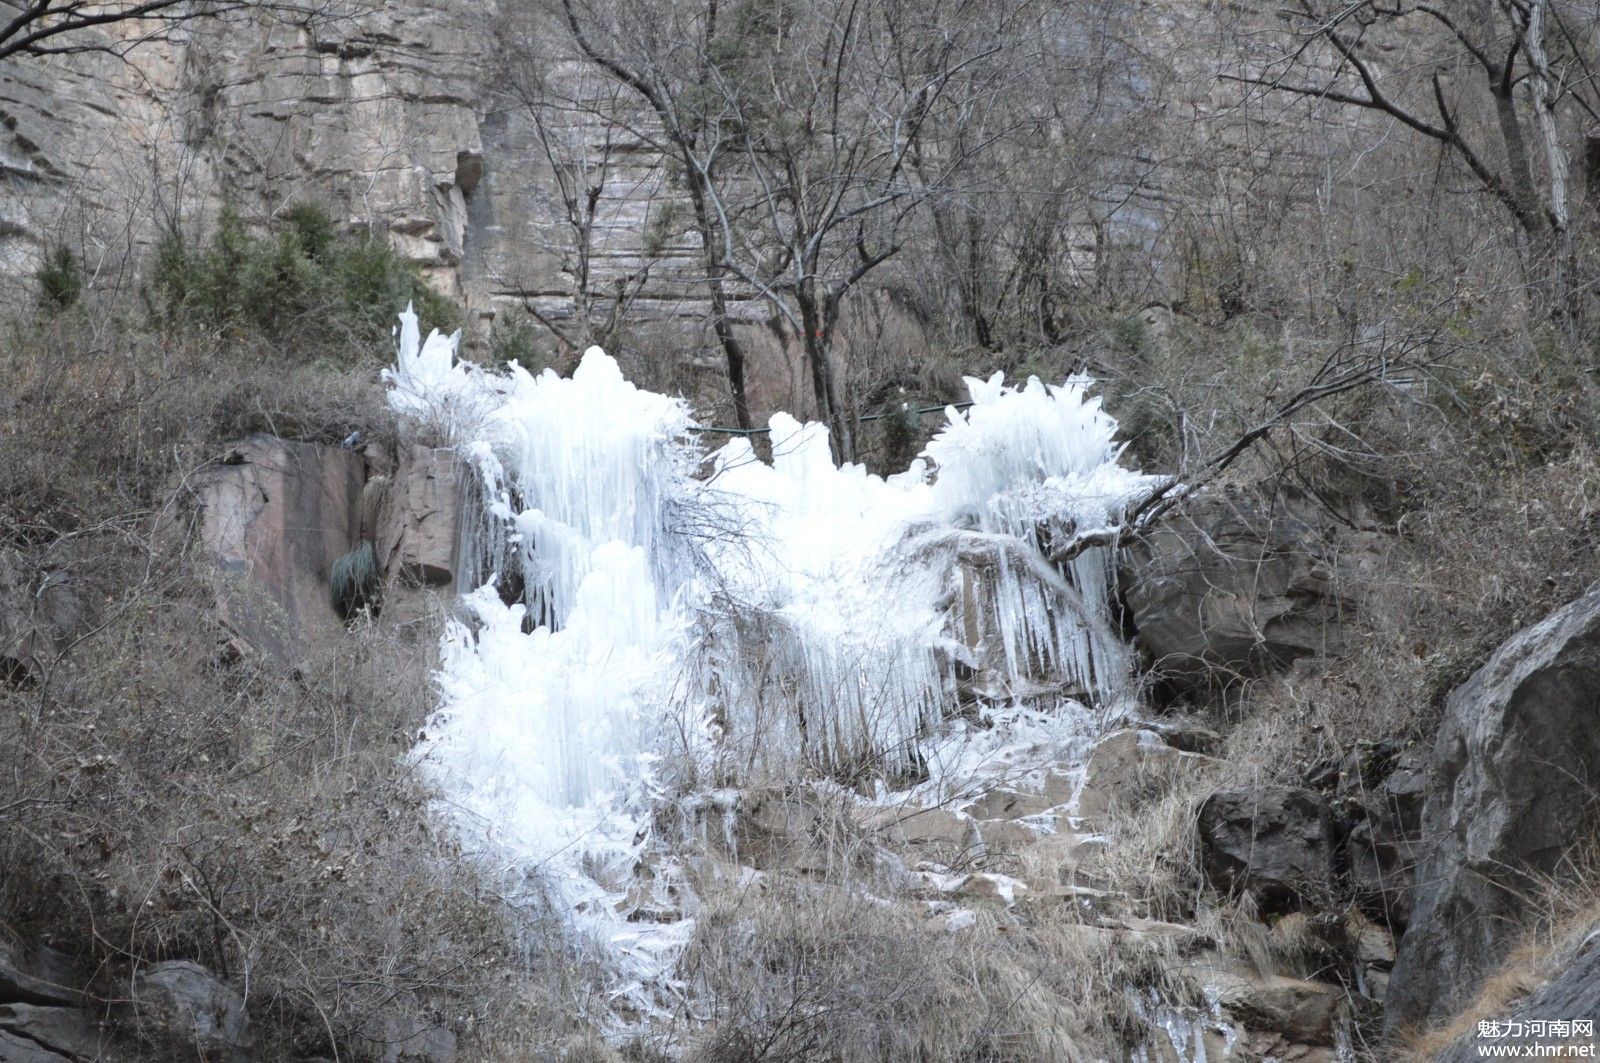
<point>766,615</point>
<point>1020,460</point>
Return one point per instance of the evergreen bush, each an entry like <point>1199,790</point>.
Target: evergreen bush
<point>60,279</point>
<point>301,282</point>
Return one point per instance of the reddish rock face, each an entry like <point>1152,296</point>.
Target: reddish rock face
<point>276,515</point>
<point>417,531</point>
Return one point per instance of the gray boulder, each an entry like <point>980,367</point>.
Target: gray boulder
<point>15,1048</point>
<point>67,1031</point>
<point>1232,586</point>
<point>44,978</point>
<point>44,603</point>
<point>1128,767</point>
<point>1574,993</point>
<point>192,1013</point>
<point>1380,846</point>
<point>1275,842</point>
<point>1512,784</point>
<point>410,1040</point>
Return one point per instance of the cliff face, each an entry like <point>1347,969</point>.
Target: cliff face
<point>402,115</point>
<point>377,110</point>
<point>413,117</point>
<point>394,114</point>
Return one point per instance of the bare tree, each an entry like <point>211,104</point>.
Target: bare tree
<point>1485,80</point>
<point>66,27</point>
<point>1067,153</point>
<point>796,129</point>
<point>659,53</point>
<point>846,117</point>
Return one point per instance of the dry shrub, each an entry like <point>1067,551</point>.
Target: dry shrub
<point>1152,857</point>
<point>1471,461</point>
<point>170,804</point>
<point>99,413</point>
<point>791,970</point>
<point>169,799</point>
<point>1491,551</point>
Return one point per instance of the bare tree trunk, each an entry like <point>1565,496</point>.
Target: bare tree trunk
<point>972,288</point>
<point>683,139</point>
<point>1565,296</point>
<point>1520,176</point>
<point>824,381</point>
<point>961,244</point>
<point>732,350</point>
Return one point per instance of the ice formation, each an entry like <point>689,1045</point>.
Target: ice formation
<point>638,600</point>
<point>1179,1032</point>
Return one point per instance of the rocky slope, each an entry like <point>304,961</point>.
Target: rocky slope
<point>1388,885</point>
<point>1133,876</point>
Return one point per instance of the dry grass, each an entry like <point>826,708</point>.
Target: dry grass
<point>1492,551</point>
<point>1566,919</point>
<point>1153,855</point>
<point>99,413</point>
<point>797,971</point>
<point>827,956</point>
<point>167,799</point>
<point>169,804</point>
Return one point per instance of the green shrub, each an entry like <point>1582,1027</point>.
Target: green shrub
<point>301,283</point>
<point>311,228</point>
<point>355,582</point>
<point>515,341</point>
<point>60,279</point>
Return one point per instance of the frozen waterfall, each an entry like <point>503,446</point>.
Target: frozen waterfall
<point>651,611</point>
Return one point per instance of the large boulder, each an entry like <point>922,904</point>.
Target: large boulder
<point>914,825</point>
<point>1232,586</point>
<point>1131,766</point>
<point>1544,1018</point>
<point>42,1015</point>
<point>43,977</point>
<point>17,1048</point>
<point>1276,842</point>
<point>1299,1011</point>
<point>276,514</point>
<point>65,1032</point>
<point>418,530</point>
<point>1512,785</point>
<point>191,1014</point>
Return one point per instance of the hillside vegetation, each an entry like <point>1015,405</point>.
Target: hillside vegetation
<point>1336,266</point>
